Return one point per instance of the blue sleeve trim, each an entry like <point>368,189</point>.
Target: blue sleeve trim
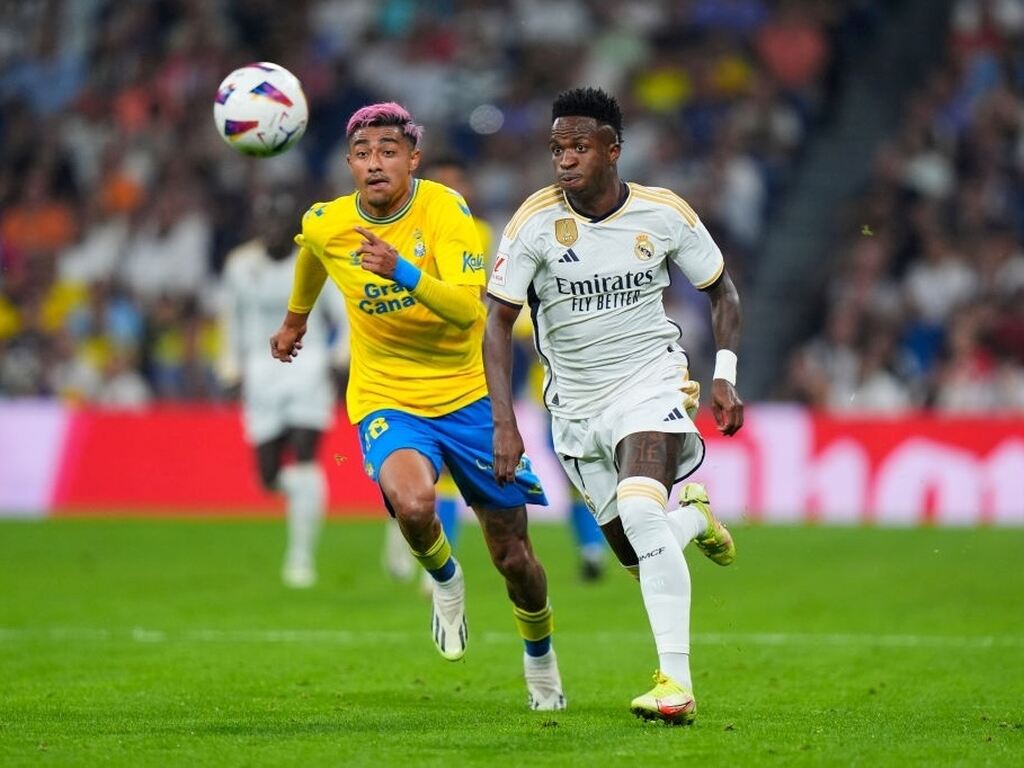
<point>406,274</point>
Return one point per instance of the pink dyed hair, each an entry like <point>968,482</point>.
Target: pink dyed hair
<point>385,113</point>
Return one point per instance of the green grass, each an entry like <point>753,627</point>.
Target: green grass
<point>170,643</point>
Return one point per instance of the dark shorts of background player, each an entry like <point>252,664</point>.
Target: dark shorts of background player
<point>462,441</point>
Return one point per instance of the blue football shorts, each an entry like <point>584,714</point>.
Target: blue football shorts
<point>462,441</point>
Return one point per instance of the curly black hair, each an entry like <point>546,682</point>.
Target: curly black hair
<point>589,102</point>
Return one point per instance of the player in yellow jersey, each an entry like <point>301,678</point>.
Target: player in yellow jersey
<point>406,257</point>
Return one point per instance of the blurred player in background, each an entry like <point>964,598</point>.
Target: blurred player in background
<point>590,256</point>
<point>526,377</point>
<point>285,412</point>
<point>406,257</point>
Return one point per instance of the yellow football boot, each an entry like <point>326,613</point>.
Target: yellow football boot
<point>667,701</point>
<point>716,543</point>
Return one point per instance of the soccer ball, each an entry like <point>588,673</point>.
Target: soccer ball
<point>260,109</point>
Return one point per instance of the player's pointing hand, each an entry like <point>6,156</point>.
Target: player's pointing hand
<point>377,256</point>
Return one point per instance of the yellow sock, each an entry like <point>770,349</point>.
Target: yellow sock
<point>534,625</point>
<point>438,554</point>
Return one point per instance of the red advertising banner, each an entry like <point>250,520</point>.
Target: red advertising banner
<point>786,465</point>
<point>187,459</point>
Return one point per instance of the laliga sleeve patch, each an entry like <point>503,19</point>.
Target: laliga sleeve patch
<point>500,269</point>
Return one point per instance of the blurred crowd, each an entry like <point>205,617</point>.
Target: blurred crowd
<point>924,303</point>
<point>119,203</point>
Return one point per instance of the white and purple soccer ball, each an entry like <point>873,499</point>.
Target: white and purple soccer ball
<point>260,109</point>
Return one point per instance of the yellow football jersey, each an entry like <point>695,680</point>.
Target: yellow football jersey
<point>403,355</point>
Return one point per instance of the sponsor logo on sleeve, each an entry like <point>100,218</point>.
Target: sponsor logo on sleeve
<point>500,268</point>
<point>472,262</point>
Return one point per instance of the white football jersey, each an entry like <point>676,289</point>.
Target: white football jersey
<point>255,292</point>
<point>594,288</point>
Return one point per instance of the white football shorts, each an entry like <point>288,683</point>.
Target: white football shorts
<point>586,447</point>
<point>273,404</point>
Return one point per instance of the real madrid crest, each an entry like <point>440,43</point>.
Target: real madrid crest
<point>643,248</point>
<point>566,232</point>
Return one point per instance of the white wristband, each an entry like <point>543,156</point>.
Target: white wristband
<point>725,366</point>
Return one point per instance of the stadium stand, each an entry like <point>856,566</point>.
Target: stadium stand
<point>118,202</point>
<point>922,305</point>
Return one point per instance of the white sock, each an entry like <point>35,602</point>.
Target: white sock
<point>664,577</point>
<point>397,557</point>
<point>540,662</point>
<point>687,524</point>
<point>454,584</point>
<point>305,490</point>
<point>677,666</point>
<point>593,553</point>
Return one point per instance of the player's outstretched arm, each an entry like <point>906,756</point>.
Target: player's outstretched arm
<point>307,282</point>
<point>726,318</point>
<point>508,443</point>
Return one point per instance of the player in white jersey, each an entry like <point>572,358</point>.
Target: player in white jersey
<point>284,410</point>
<point>590,256</point>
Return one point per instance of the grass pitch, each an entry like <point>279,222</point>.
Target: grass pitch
<point>169,643</point>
